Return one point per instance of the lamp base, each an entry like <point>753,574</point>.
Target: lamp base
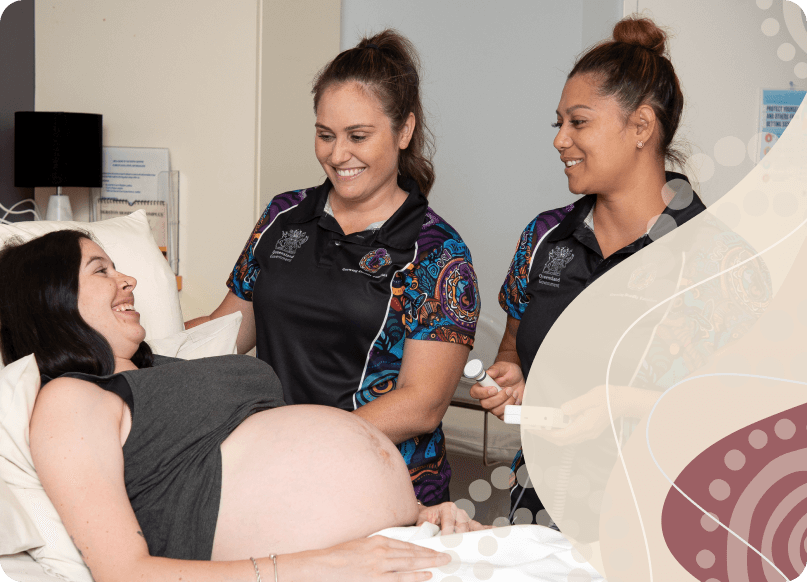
<point>59,208</point>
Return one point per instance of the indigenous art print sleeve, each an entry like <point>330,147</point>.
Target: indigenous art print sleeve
<point>242,278</point>
<point>513,294</point>
<point>439,290</point>
<point>435,297</point>
<point>513,297</point>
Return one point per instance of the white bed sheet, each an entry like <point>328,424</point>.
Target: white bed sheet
<point>521,553</point>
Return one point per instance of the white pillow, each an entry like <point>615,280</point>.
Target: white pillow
<point>129,243</point>
<point>214,338</point>
<point>19,385</point>
<point>49,544</point>
<point>18,532</point>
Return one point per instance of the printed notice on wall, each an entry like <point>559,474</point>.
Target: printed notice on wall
<point>131,181</point>
<point>131,173</point>
<point>777,108</point>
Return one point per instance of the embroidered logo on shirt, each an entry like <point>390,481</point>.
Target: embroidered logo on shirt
<point>288,243</point>
<point>374,260</point>
<point>559,257</point>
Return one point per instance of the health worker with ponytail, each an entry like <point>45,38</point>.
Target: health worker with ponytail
<point>355,291</point>
<point>616,120</point>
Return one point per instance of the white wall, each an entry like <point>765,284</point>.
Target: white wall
<point>190,76</point>
<point>723,59</point>
<point>493,77</point>
<point>299,38</point>
<point>179,75</point>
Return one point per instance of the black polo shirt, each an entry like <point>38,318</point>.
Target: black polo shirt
<point>333,310</point>
<point>563,258</point>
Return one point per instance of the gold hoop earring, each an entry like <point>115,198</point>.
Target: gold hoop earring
<point>640,144</point>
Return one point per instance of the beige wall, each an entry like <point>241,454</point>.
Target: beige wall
<point>186,75</point>
<point>299,38</point>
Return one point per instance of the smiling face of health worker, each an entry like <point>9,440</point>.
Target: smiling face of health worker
<point>357,146</point>
<point>597,142</point>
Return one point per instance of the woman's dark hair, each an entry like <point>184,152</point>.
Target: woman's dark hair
<point>388,65</point>
<point>39,309</point>
<point>634,68</point>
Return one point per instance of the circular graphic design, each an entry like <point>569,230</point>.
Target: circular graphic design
<point>755,482</point>
<point>456,290</point>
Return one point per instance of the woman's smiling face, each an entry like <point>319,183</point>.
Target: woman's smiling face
<point>594,139</point>
<point>355,143</point>
<point>106,301</point>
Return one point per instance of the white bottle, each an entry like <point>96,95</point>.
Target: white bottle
<point>474,370</point>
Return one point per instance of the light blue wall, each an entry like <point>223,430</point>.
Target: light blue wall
<point>493,74</point>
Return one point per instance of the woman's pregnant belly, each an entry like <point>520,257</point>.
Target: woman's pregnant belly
<point>307,477</point>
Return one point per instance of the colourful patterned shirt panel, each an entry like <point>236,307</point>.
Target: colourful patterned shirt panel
<point>435,297</point>
<point>513,297</point>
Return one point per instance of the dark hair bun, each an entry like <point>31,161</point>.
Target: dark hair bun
<point>641,32</point>
<point>634,69</point>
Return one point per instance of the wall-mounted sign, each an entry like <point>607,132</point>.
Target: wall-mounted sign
<point>777,108</point>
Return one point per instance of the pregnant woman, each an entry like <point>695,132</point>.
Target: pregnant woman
<point>158,465</point>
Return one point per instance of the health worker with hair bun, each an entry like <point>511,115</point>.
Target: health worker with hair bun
<point>616,120</point>
<point>355,291</point>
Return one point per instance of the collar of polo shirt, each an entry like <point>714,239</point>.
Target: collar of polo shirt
<point>584,212</point>
<point>399,231</point>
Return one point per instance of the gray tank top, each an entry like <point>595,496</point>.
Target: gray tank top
<point>181,413</point>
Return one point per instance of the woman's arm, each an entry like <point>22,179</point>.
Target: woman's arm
<point>507,373</point>
<point>430,372</point>
<point>507,347</point>
<point>76,447</point>
<point>231,304</point>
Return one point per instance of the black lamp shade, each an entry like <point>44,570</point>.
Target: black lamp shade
<point>57,149</point>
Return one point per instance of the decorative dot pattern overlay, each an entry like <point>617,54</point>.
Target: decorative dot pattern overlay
<point>755,482</point>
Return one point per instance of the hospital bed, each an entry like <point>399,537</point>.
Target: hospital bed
<point>34,547</point>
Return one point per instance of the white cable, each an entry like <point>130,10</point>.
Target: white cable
<point>23,201</point>
<point>34,211</point>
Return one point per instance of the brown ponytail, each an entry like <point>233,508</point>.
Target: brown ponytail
<point>635,69</point>
<point>388,65</point>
